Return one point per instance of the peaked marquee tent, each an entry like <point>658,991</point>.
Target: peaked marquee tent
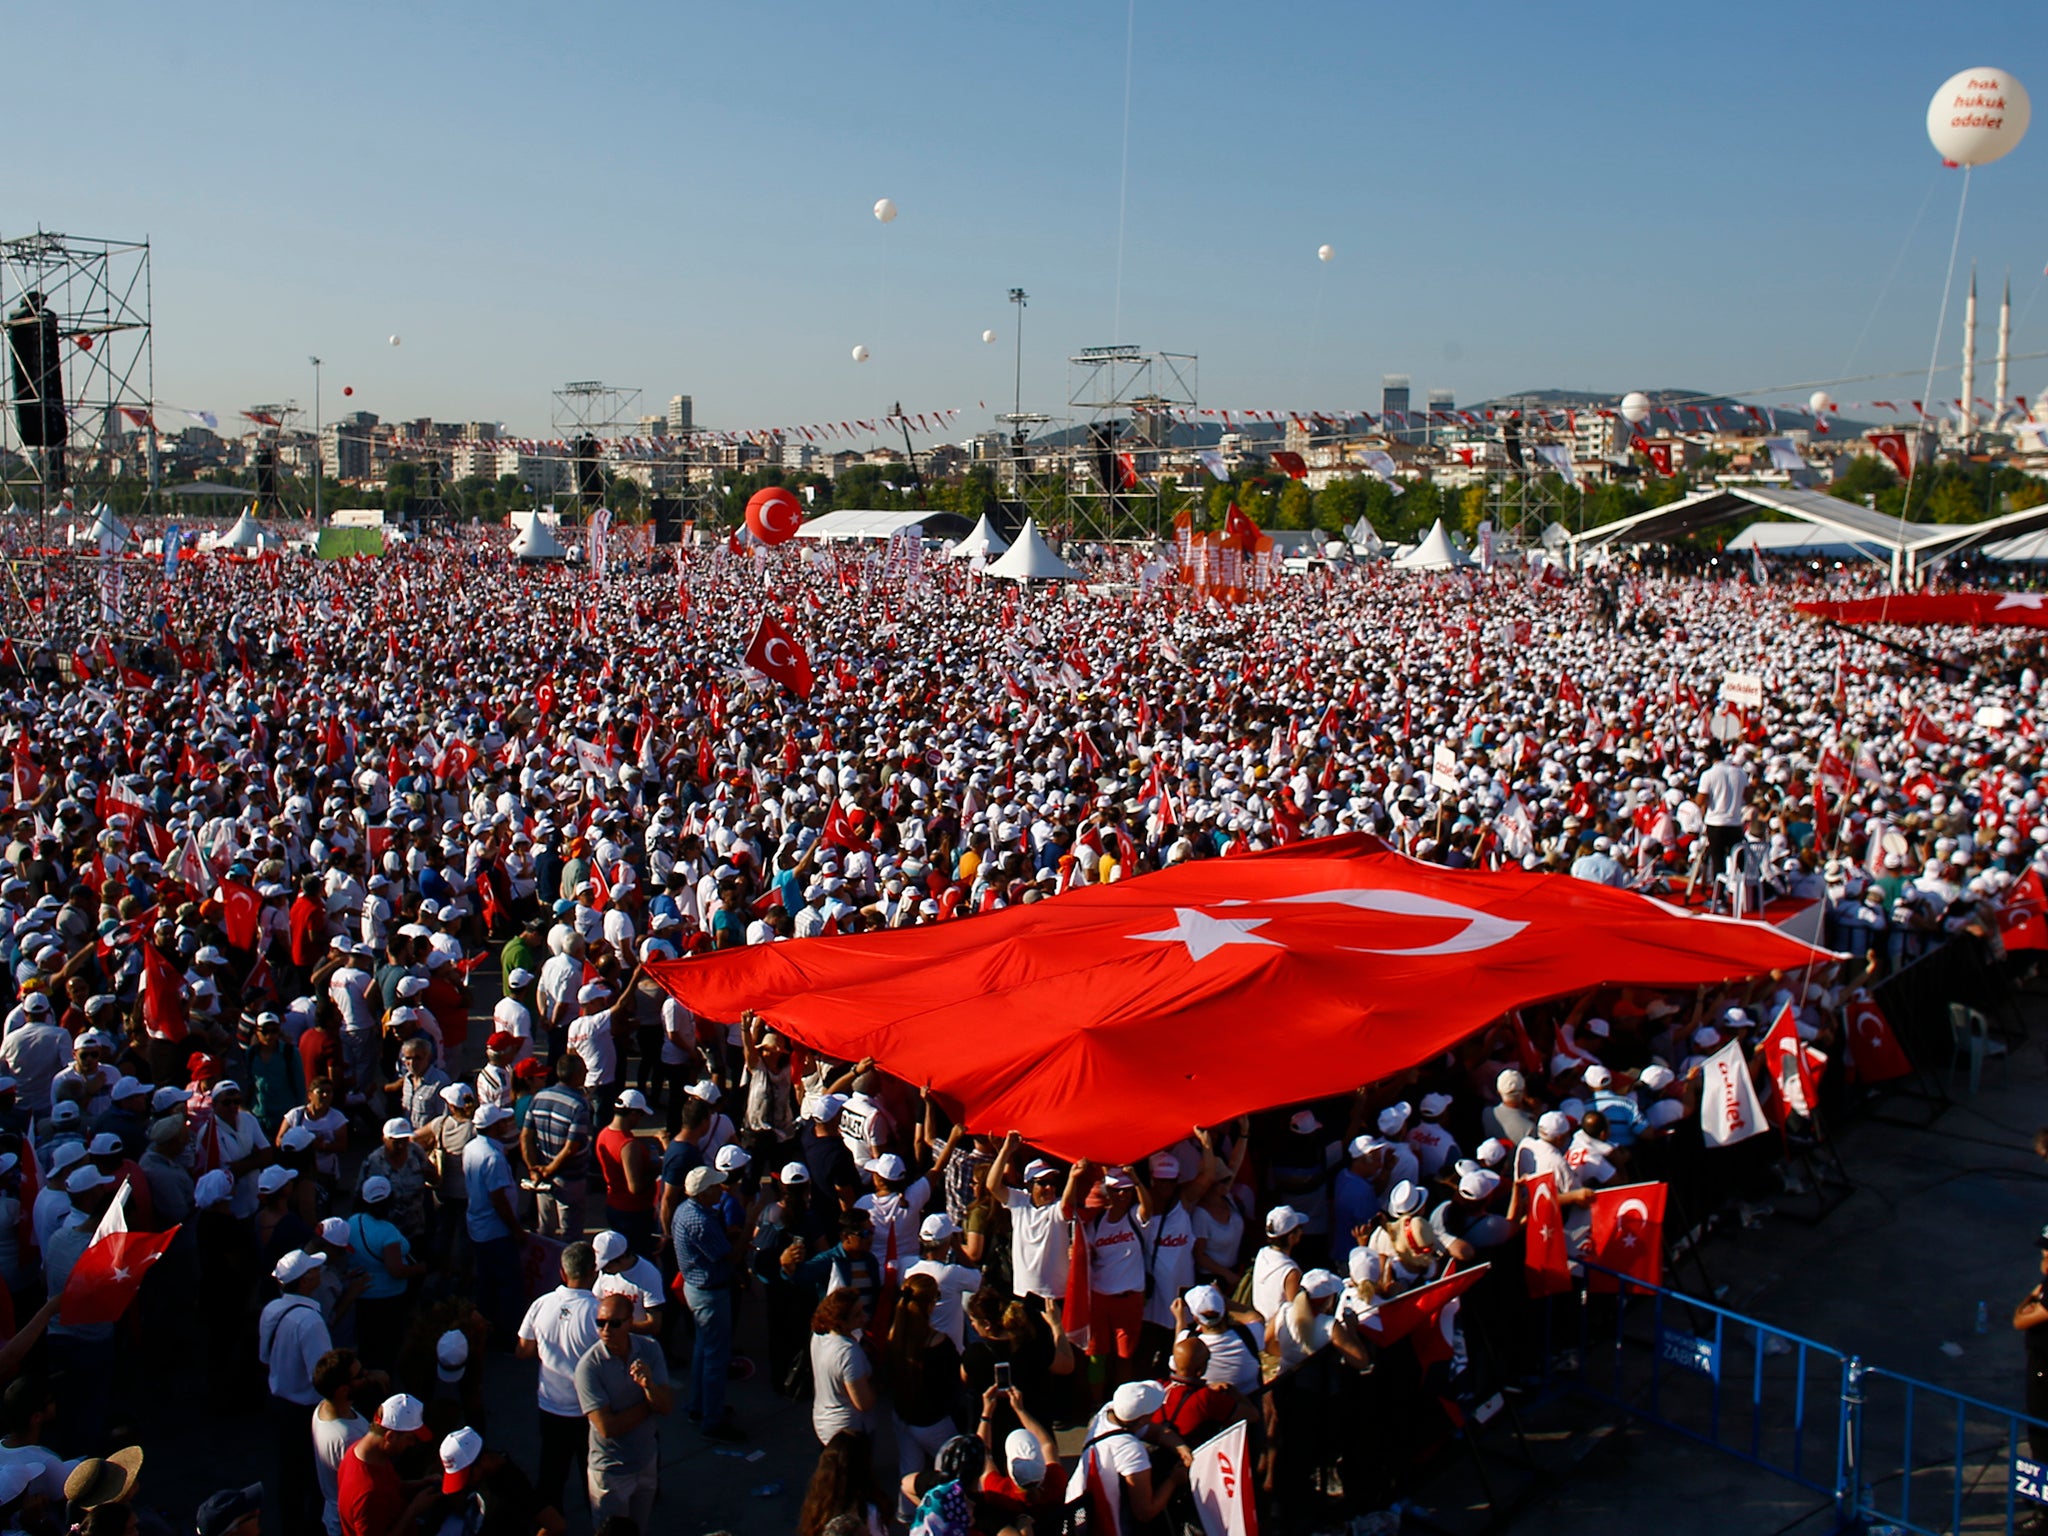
<point>1436,552</point>
<point>246,535</point>
<point>1032,559</point>
<point>536,540</point>
<point>982,540</point>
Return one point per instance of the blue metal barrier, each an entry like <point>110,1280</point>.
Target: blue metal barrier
<point>1889,1451</point>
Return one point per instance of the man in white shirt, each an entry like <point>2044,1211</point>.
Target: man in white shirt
<point>1725,788</point>
<point>291,1336</point>
<point>1041,1222</point>
<point>559,1329</point>
<point>938,1244</point>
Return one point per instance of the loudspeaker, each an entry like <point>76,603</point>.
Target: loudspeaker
<point>1102,448</point>
<point>1511,440</point>
<point>266,475</point>
<point>589,472</point>
<point>37,355</point>
<point>667,513</point>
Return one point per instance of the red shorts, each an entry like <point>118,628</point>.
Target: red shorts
<point>1117,1317</point>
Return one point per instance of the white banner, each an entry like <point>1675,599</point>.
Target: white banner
<point>1220,1481</point>
<point>1729,1108</point>
<point>1745,690</point>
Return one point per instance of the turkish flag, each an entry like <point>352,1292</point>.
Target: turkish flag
<point>163,996</point>
<point>1875,1055</point>
<point>1659,455</point>
<point>1290,464</point>
<point>241,908</point>
<point>1421,1312</point>
<point>109,1273</point>
<point>2025,610</point>
<point>1054,1017</point>
<point>774,653</point>
<point>1921,731</point>
<point>2023,915</point>
<point>1079,1301</point>
<point>1893,446</point>
<point>1546,1260</point>
<point>1627,1235</point>
<point>1240,530</point>
<point>1793,1075</point>
<point>838,831</point>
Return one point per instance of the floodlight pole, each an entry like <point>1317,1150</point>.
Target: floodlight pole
<point>1019,298</point>
<point>316,439</point>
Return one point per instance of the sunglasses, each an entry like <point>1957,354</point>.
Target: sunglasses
<point>613,1322</point>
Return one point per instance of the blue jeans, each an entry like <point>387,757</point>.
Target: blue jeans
<point>712,1311</point>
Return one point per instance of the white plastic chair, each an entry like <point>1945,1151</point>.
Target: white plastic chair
<point>1970,1033</point>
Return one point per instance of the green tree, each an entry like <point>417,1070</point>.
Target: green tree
<point>1864,475</point>
<point>1293,506</point>
<point>1954,500</point>
<point>1340,504</point>
<point>1472,508</point>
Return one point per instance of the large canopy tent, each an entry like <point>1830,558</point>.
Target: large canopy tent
<point>1905,546</point>
<point>983,541</point>
<point>858,523</point>
<point>1103,1022</point>
<point>246,536</point>
<point>1032,559</point>
<point>535,540</point>
<point>1803,541</point>
<point>1436,552</point>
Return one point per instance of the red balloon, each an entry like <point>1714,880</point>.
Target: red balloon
<point>348,389</point>
<point>85,343</point>
<point>774,515</point>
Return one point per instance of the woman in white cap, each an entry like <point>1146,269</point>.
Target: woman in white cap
<point>1276,1274</point>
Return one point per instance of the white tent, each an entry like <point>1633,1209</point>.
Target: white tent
<point>983,541</point>
<point>246,534</point>
<point>1032,559</point>
<point>536,540</point>
<point>1435,553</point>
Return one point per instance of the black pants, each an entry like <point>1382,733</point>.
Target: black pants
<point>564,1448</point>
<point>2037,1408</point>
<point>298,1488</point>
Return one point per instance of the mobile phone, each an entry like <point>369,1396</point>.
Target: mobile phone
<point>1002,1375</point>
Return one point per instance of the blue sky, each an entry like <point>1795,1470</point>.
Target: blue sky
<point>675,197</point>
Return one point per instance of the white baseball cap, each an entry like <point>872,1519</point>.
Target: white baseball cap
<point>632,1099</point>
<point>938,1228</point>
<point>610,1246</point>
<point>402,1414</point>
<point>1283,1219</point>
<point>296,1265</point>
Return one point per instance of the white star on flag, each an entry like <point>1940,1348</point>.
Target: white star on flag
<point>2032,600</point>
<point>120,1274</point>
<point>1204,935</point>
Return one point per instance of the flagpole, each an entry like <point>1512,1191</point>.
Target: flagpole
<point>316,440</point>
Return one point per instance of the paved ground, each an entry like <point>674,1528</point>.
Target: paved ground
<point>1941,1218</point>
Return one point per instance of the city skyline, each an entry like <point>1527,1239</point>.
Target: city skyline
<point>681,203</point>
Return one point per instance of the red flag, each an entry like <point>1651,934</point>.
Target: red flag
<point>163,996</point>
<point>2023,915</point>
<point>1546,1261</point>
<point>1422,1312</point>
<point>838,831</point>
<point>1894,447</point>
<point>1792,1073</point>
<point>1290,464</point>
<point>775,654</point>
<point>2024,610</point>
<point>1029,1017</point>
<point>1240,530</point>
<point>241,908</point>
<point>108,1274</point>
<point>1627,1235</point>
<point>1875,1055</point>
<point>1078,1303</point>
<point>1921,731</point>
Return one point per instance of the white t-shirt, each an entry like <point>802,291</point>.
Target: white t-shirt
<point>1295,1345</point>
<point>1726,786</point>
<point>896,1219</point>
<point>1231,1364</point>
<point>51,1471</point>
<point>1171,1237</point>
<point>640,1280</point>
<point>515,1018</point>
<point>1269,1279</point>
<point>1118,1454</point>
<point>864,1126</point>
<point>1040,1239</point>
<point>956,1282</point>
<point>591,1038</point>
<point>1116,1256</point>
<point>563,1324</point>
<point>331,1440</point>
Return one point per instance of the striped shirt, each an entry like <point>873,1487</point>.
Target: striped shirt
<point>557,1117</point>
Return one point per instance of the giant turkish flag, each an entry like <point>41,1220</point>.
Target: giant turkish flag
<point>2026,610</point>
<point>1104,1022</point>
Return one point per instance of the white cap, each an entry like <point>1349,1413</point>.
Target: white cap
<point>376,1188</point>
<point>593,992</point>
<point>519,977</point>
<point>1283,1219</point>
<point>1509,1082</point>
<point>1136,1401</point>
<point>938,1228</point>
<point>1393,1117</point>
<point>458,1095</point>
<point>215,1187</point>
<point>1493,1151</point>
<point>1320,1283</point>
<point>1366,1267</point>
<point>1553,1124</point>
<point>794,1173</point>
<point>1656,1077</point>
<point>1206,1302</point>
<point>84,1180</point>
<point>1304,1122</point>
<point>1434,1104</point>
<point>401,1413</point>
<point>1405,1199</point>
<point>1027,1460</point>
<point>398,1128</point>
<point>731,1158</point>
<point>1662,1113</point>
<point>272,1179</point>
<point>451,1354</point>
<point>1164,1166</point>
<point>632,1099</point>
<point>824,1106</point>
<point>704,1089</point>
<point>890,1167</point>
<point>459,1450</point>
<point>296,1265</point>
<point>610,1246</point>
<point>334,1230</point>
<point>1479,1184</point>
<point>492,1115</point>
<point>1598,1077</point>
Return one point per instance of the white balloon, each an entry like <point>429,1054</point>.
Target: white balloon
<point>1978,116</point>
<point>1635,407</point>
<point>1325,252</point>
<point>860,354</point>
<point>885,210</point>
<point>397,340</point>
<point>989,336</point>
<point>1819,403</point>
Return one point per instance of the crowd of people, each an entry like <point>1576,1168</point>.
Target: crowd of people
<point>328,903</point>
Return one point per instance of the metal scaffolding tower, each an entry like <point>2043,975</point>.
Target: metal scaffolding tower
<point>1124,402</point>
